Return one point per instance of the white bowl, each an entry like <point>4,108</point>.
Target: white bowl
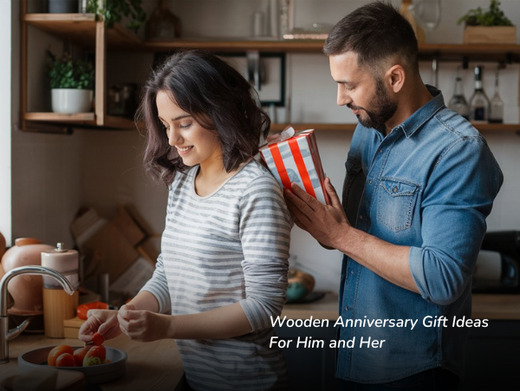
<point>95,374</point>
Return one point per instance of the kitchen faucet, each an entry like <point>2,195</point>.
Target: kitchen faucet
<point>5,334</point>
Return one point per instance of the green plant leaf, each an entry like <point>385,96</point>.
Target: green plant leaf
<point>494,16</point>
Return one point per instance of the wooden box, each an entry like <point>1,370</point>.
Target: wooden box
<point>492,34</point>
<point>71,327</point>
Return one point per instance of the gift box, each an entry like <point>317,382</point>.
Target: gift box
<point>296,159</point>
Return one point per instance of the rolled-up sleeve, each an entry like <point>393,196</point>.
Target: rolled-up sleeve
<point>265,227</point>
<point>457,200</point>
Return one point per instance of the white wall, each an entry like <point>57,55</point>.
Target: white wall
<point>6,114</point>
<point>53,175</point>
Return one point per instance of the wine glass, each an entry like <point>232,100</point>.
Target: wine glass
<point>428,14</point>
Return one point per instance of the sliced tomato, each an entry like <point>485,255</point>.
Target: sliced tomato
<point>95,356</point>
<point>83,309</point>
<point>65,360</point>
<point>79,355</point>
<point>56,352</point>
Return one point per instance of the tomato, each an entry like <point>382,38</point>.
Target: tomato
<point>56,352</point>
<point>82,309</point>
<point>65,360</point>
<point>98,339</point>
<point>95,356</point>
<point>79,355</point>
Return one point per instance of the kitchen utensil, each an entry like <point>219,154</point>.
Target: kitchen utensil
<point>96,374</point>
<point>57,304</point>
<point>498,264</point>
<point>26,290</point>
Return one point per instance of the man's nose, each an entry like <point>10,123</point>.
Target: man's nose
<point>343,99</point>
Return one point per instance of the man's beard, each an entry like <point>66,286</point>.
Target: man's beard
<point>384,109</point>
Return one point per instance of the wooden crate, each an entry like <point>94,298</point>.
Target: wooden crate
<point>492,34</point>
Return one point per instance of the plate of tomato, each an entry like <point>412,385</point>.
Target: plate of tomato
<point>98,363</point>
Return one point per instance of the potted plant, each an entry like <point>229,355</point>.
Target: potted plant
<point>113,11</point>
<point>71,82</point>
<point>490,26</point>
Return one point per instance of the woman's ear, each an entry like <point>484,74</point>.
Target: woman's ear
<point>395,77</point>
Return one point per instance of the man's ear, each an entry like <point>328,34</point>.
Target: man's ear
<point>395,78</point>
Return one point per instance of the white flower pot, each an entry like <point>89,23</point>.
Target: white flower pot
<point>70,101</point>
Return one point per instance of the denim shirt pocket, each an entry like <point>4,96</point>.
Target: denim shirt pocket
<point>396,203</point>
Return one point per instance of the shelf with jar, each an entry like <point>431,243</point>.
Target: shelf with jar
<point>91,33</point>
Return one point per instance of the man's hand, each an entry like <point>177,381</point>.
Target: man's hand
<point>324,222</point>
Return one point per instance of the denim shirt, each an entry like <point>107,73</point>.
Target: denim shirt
<point>429,184</point>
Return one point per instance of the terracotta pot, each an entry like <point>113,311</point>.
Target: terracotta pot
<point>26,290</point>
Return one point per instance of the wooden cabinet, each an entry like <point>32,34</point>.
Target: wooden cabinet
<point>88,32</point>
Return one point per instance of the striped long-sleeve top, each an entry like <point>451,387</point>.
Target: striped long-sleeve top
<point>230,246</point>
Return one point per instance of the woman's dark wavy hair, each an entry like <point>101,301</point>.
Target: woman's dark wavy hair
<point>375,31</point>
<point>217,97</point>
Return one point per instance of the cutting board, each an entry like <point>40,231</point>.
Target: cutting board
<point>71,327</point>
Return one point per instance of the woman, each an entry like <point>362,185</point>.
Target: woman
<point>222,272</point>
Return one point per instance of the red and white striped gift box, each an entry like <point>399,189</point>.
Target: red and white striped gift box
<point>297,160</point>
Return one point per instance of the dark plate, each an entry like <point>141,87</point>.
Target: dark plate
<point>96,374</point>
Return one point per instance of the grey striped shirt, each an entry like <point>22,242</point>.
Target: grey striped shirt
<point>231,246</point>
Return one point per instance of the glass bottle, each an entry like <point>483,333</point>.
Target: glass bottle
<point>458,102</point>
<point>479,102</point>
<point>496,114</point>
<point>407,10</point>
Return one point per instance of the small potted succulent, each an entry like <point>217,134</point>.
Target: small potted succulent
<point>488,26</point>
<point>71,82</point>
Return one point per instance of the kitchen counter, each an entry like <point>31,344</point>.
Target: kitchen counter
<point>156,366</point>
<point>485,306</point>
<point>151,366</point>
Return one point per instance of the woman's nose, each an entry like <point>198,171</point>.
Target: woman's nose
<point>173,136</point>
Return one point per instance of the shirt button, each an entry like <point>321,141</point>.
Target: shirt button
<point>352,272</point>
<point>346,308</point>
<point>370,182</point>
<point>380,151</point>
<point>361,217</point>
<point>395,189</point>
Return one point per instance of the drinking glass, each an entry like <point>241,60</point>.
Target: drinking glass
<point>428,14</point>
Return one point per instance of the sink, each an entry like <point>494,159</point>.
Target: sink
<point>96,374</point>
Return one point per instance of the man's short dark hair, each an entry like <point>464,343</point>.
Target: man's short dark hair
<point>376,32</point>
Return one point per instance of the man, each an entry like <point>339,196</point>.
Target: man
<point>420,182</point>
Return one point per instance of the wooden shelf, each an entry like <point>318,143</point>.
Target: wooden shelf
<point>56,117</point>
<point>237,45</point>
<point>84,119</point>
<point>91,33</point>
<point>81,29</point>
<point>473,52</point>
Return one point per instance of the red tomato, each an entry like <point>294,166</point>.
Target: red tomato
<point>56,352</point>
<point>65,360</point>
<point>79,355</point>
<point>98,339</point>
<point>95,356</point>
<point>82,309</point>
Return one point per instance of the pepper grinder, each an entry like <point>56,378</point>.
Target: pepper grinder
<point>57,304</point>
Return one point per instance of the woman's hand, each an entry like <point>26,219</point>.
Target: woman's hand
<point>104,322</point>
<point>144,325</point>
